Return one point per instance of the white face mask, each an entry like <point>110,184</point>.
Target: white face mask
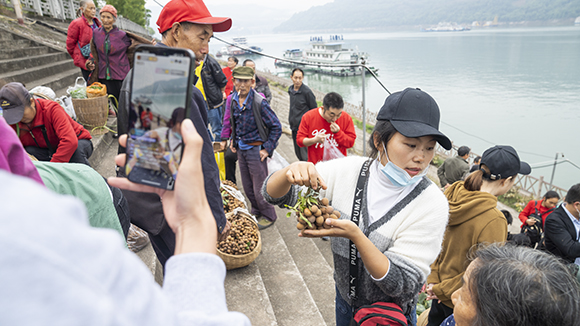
<point>398,176</point>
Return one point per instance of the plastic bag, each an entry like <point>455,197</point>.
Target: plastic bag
<point>79,90</point>
<point>66,103</point>
<point>137,239</point>
<point>96,90</point>
<point>331,150</point>
<point>276,162</point>
<point>45,92</point>
<point>221,163</point>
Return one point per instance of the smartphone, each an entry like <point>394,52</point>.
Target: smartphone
<point>160,99</point>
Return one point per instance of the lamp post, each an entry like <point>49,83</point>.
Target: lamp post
<point>554,169</point>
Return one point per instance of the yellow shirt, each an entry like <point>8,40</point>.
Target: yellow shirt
<point>199,83</point>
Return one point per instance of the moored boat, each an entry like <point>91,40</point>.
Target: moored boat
<point>326,52</point>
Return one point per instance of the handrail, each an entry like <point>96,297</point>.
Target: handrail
<point>66,10</point>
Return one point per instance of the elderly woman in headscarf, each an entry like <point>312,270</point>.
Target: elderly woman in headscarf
<point>111,52</point>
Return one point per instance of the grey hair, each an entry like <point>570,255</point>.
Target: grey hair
<point>520,286</point>
<point>84,3</point>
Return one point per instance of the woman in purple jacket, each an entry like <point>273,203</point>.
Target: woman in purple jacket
<point>110,45</point>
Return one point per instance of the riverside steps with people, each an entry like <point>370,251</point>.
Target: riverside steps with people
<point>393,250</point>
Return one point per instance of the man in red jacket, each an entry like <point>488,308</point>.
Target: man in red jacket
<point>328,121</point>
<point>44,128</point>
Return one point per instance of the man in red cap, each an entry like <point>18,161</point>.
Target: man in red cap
<point>183,24</point>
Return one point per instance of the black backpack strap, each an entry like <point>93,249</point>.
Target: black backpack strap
<point>355,218</point>
<point>257,110</point>
<point>48,144</point>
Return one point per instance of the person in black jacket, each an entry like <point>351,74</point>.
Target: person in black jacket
<point>214,87</point>
<point>302,100</point>
<point>146,210</point>
<point>562,228</point>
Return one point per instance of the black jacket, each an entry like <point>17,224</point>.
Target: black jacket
<point>213,80</point>
<point>560,235</point>
<point>262,87</point>
<point>149,204</point>
<point>301,102</point>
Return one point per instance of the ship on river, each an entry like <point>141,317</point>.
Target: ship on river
<point>234,50</point>
<point>326,52</point>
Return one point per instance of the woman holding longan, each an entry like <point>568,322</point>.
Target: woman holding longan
<point>402,216</point>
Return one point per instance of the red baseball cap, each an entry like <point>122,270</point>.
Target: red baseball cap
<point>192,11</point>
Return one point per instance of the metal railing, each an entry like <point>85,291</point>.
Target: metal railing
<point>528,185</point>
<point>66,10</point>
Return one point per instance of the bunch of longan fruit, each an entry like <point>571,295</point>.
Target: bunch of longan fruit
<point>311,211</point>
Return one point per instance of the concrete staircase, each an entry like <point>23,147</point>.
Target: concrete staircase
<point>33,63</point>
<point>291,282</point>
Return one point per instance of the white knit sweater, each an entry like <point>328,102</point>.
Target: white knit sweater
<point>410,234</point>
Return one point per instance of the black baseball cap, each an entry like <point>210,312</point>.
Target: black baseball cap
<point>414,113</point>
<point>503,162</point>
<point>13,99</point>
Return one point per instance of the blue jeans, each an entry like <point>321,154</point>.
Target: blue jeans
<point>344,312</point>
<point>215,119</point>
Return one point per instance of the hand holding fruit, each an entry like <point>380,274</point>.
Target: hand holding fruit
<point>334,127</point>
<point>304,174</point>
<point>320,137</point>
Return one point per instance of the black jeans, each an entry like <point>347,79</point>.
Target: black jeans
<point>113,87</point>
<point>301,152</point>
<point>81,155</point>
<point>230,159</point>
<point>438,313</point>
<point>86,74</point>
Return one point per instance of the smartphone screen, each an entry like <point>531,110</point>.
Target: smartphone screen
<point>160,96</point>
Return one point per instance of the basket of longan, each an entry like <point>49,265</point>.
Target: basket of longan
<point>232,198</point>
<point>243,244</point>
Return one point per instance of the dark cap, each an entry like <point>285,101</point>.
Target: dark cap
<point>414,113</point>
<point>503,162</point>
<point>243,73</point>
<point>191,11</point>
<point>13,98</point>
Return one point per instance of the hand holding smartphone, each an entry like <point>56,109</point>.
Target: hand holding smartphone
<point>161,83</point>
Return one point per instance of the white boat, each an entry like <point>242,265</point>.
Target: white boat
<point>324,52</point>
<point>577,21</point>
<point>233,50</point>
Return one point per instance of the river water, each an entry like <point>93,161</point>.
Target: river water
<point>518,86</point>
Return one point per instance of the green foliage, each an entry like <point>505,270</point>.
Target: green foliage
<point>515,199</point>
<point>437,160</point>
<point>422,304</point>
<point>379,14</point>
<point>134,10</point>
<point>358,123</point>
<point>319,103</point>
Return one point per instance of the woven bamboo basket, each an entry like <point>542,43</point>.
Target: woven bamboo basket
<point>92,113</point>
<point>237,261</point>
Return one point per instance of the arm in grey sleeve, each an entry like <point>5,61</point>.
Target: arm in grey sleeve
<point>290,198</point>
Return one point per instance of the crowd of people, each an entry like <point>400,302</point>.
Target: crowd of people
<point>398,233</point>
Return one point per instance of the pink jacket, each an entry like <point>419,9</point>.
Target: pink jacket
<point>79,34</point>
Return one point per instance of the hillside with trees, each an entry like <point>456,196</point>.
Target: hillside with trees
<point>133,10</point>
<point>377,14</point>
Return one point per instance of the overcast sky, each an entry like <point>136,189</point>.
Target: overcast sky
<point>244,13</point>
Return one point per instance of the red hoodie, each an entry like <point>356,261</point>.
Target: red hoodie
<point>62,131</point>
<point>312,123</point>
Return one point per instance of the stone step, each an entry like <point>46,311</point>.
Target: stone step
<point>28,76</point>
<point>27,62</point>
<point>291,299</point>
<point>16,43</point>
<point>11,53</point>
<point>246,293</point>
<point>316,271</point>
<point>6,36</point>
<point>58,82</point>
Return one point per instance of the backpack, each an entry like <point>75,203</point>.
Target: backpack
<point>379,313</point>
<point>534,232</point>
